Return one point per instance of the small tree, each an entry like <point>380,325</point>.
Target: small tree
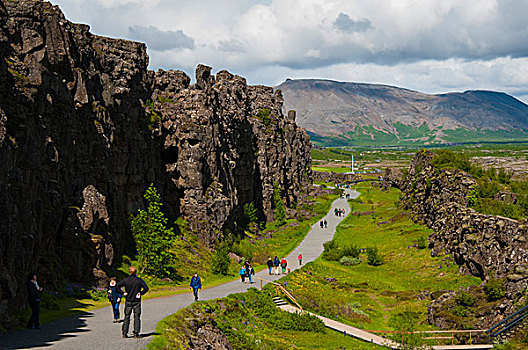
<point>280,211</point>
<point>153,238</point>
<point>221,260</point>
<point>374,258</point>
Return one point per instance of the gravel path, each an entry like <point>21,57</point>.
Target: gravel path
<point>95,330</point>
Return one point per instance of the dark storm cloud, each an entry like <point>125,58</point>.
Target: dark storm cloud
<point>161,40</point>
<point>344,23</point>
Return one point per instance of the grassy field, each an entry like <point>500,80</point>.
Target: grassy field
<point>377,297</point>
<point>384,297</point>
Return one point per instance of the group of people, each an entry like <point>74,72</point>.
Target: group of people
<point>323,223</point>
<point>135,288</point>
<point>346,196</point>
<point>276,266</point>
<point>339,212</point>
<point>247,272</point>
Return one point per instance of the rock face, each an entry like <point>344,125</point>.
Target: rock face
<point>482,245</point>
<point>85,128</point>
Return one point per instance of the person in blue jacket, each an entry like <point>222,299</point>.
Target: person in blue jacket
<point>114,297</point>
<point>276,263</point>
<point>196,285</point>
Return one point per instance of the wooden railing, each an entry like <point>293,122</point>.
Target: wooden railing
<point>425,334</point>
<point>281,288</point>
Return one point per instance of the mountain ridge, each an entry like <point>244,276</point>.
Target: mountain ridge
<point>346,113</point>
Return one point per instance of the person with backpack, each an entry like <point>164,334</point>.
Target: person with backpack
<point>114,297</point>
<point>196,285</point>
<point>270,265</point>
<point>242,273</point>
<point>283,264</point>
<point>135,288</point>
<point>276,263</point>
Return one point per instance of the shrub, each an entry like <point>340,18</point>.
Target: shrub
<point>374,258</point>
<point>331,251</point>
<point>459,310</point>
<point>465,299</point>
<point>422,242</point>
<point>349,261</point>
<point>221,260</point>
<point>494,289</point>
<point>351,251</point>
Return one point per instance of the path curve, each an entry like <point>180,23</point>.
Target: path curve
<point>95,330</point>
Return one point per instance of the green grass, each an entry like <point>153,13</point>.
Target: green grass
<point>340,170</point>
<point>250,320</point>
<point>368,296</point>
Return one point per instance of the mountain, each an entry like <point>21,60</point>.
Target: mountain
<point>341,113</point>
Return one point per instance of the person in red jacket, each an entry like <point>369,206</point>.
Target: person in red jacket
<point>300,259</point>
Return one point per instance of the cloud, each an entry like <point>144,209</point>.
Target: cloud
<point>346,24</point>
<point>428,45</point>
<point>161,40</point>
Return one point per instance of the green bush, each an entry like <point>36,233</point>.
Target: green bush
<point>374,258</point>
<point>349,261</point>
<point>350,251</point>
<point>460,311</point>
<point>331,251</point>
<point>494,289</point>
<point>465,299</point>
<point>422,242</point>
<point>221,260</point>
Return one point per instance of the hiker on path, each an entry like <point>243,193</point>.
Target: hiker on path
<point>300,259</point>
<point>34,292</point>
<point>135,287</point>
<point>321,223</point>
<point>276,263</point>
<point>242,273</point>
<point>335,211</point>
<point>270,265</point>
<point>196,285</point>
<point>114,297</point>
<point>250,273</point>
<point>284,264</point>
<point>325,224</point>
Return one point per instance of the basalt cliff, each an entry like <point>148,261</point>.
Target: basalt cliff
<point>85,127</point>
<point>486,246</point>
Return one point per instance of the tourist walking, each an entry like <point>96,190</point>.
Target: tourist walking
<point>114,297</point>
<point>135,288</point>
<point>321,223</point>
<point>276,263</point>
<point>325,224</point>
<point>283,264</point>
<point>196,285</point>
<point>250,273</point>
<point>300,259</point>
<point>34,292</point>
<point>242,273</point>
<point>270,265</point>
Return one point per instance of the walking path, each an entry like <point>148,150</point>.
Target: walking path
<point>95,330</point>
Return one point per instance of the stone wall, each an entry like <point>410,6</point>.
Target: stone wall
<point>85,128</point>
<point>482,245</point>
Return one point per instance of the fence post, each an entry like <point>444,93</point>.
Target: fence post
<point>260,284</point>
<point>470,341</point>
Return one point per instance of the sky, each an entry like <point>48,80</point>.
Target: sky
<point>432,46</point>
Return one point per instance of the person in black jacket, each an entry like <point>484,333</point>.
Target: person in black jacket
<point>135,287</point>
<point>34,292</point>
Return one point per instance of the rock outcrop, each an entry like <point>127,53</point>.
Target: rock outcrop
<point>85,128</point>
<point>482,245</point>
